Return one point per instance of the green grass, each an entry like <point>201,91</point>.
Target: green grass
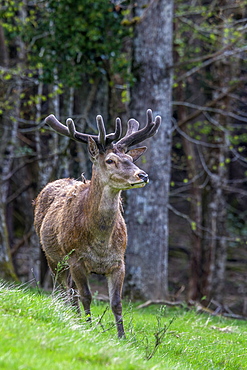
<point>38,332</point>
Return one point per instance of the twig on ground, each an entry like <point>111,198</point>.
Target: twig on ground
<point>219,311</point>
<point>162,302</point>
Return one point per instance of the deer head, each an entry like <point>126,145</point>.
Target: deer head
<point>111,155</point>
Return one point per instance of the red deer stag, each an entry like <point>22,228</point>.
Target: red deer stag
<point>81,221</point>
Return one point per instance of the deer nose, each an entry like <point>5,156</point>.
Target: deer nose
<point>143,176</point>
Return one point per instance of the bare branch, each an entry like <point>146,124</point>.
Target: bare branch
<point>212,103</point>
<point>195,141</point>
<point>161,302</point>
<point>213,110</point>
<point>207,62</point>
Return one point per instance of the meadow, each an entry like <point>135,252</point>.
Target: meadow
<point>39,331</point>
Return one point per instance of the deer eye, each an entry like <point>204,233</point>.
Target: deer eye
<point>109,161</point>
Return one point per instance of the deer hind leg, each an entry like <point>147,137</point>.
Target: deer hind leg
<point>72,293</point>
<point>62,277</point>
<point>80,279</point>
<point>115,284</point>
<point>59,275</point>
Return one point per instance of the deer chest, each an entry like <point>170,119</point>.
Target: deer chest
<point>101,260</point>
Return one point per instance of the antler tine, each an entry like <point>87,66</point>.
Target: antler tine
<point>102,132</point>
<point>134,136</point>
<point>71,126</point>
<point>56,125</point>
<point>115,135</point>
<point>106,140</point>
<point>68,130</point>
<point>133,126</point>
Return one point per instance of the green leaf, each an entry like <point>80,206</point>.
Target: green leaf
<point>193,225</point>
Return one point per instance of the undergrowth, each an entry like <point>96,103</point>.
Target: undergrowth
<point>39,331</point>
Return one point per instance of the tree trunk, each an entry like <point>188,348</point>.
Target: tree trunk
<point>146,214</point>
<point>4,59</point>
<point>8,138</point>
<point>215,249</point>
<point>195,202</point>
<point>194,289</point>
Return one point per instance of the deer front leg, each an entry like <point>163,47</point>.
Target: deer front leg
<point>115,284</point>
<point>79,276</point>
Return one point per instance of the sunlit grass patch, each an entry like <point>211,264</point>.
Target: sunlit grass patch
<point>39,331</point>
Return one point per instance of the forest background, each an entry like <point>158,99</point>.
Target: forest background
<point>187,62</point>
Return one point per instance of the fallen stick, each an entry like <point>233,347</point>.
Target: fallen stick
<point>163,302</point>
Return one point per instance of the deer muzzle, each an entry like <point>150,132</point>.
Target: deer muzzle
<point>142,180</point>
<point>144,177</point>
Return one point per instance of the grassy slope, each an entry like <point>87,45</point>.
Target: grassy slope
<point>38,332</point>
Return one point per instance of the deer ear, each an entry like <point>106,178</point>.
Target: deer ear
<point>136,153</point>
<point>92,149</point>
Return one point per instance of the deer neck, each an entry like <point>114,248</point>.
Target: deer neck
<point>104,202</point>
